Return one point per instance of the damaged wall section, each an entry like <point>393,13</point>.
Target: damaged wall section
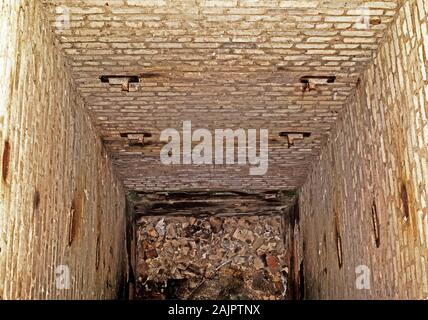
<point>60,202</point>
<point>211,258</point>
<point>364,206</point>
<point>215,244</point>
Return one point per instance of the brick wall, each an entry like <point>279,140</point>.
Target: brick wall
<point>374,171</point>
<point>60,202</point>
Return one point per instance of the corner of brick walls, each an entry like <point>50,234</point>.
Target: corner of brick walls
<point>376,160</point>
<point>53,164</point>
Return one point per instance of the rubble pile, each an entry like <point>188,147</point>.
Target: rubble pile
<point>211,258</point>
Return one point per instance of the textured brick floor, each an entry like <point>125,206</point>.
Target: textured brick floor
<point>220,64</point>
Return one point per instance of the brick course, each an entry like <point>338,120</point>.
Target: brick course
<point>60,202</point>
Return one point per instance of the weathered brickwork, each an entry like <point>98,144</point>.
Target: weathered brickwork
<point>369,188</point>
<point>60,203</point>
<point>221,64</point>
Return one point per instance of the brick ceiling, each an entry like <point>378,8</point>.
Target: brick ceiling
<point>221,64</point>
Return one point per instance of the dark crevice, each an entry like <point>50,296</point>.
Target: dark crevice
<point>375,220</point>
<point>5,160</point>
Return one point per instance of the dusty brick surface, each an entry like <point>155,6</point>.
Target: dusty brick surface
<point>220,64</point>
<point>55,165</point>
<point>377,155</point>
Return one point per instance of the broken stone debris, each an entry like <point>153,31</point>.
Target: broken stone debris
<point>211,258</point>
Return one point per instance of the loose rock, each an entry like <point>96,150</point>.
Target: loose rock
<point>177,254</point>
